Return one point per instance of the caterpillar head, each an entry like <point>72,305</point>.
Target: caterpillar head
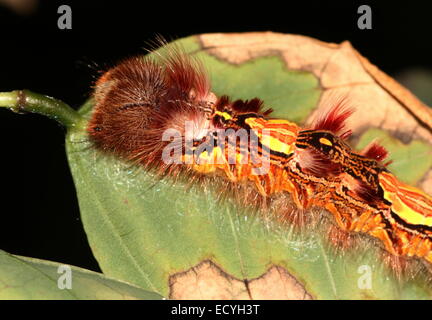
<point>324,143</point>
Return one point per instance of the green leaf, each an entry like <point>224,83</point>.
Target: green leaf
<point>410,162</point>
<point>292,94</point>
<point>28,278</point>
<point>144,230</point>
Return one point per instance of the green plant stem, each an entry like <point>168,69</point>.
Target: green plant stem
<point>22,101</point>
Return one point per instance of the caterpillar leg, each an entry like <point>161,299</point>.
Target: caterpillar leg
<point>419,246</point>
<point>412,246</point>
<point>336,212</point>
<point>362,223</point>
<point>425,249</point>
<point>383,235</point>
<point>258,183</point>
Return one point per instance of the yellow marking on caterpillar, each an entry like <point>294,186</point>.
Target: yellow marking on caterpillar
<point>409,203</point>
<point>282,127</point>
<point>325,141</point>
<point>281,133</point>
<point>405,212</point>
<point>224,115</point>
<point>278,146</point>
<point>280,122</point>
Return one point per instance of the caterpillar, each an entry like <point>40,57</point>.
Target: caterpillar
<point>161,114</point>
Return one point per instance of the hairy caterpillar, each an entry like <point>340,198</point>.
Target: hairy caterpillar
<point>161,114</point>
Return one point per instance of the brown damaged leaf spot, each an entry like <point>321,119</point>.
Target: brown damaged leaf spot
<point>379,100</point>
<point>407,99</point>
<point>208,281</point>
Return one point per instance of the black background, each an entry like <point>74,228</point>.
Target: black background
<point>39,215</point>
